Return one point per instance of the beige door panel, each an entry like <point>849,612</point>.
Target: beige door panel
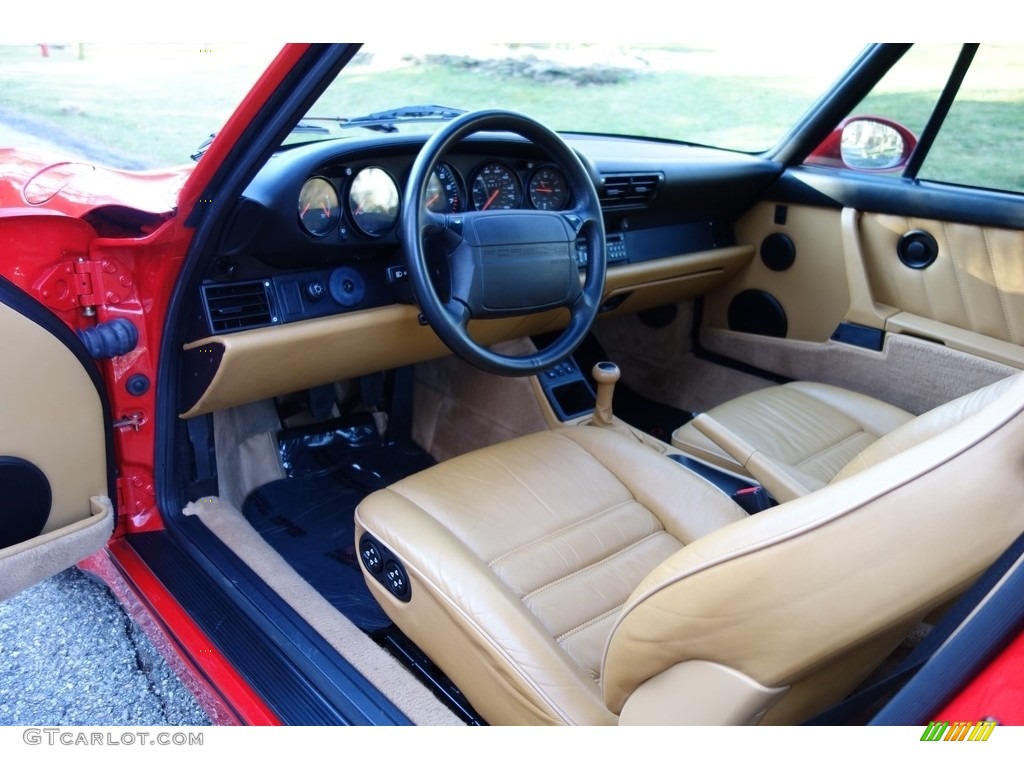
<point>970,298</point>
<point>976,282</point>
<point>51,427</point>
<point>813,291</point>
<point>864,309</point>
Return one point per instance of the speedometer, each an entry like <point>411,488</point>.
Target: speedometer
<point>496,186</point>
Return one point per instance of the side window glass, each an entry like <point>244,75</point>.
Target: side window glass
<point>882,130</point>
<point>908,93</point>
<point>981,143</point>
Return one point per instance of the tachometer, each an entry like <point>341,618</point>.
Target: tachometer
<point>443,194</point>
<point>548,189</point>
<point>496,186</point>
<point>319,207</point>
<point>373,201</point>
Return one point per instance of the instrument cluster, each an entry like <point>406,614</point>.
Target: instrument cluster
<point>369,197</point>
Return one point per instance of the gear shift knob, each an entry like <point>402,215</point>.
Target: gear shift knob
<point>605,374</point>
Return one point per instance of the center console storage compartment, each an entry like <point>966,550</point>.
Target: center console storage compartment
<point>567,390</point>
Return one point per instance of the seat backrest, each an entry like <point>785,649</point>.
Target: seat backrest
<point>924,427</point>
<point>794,606</point>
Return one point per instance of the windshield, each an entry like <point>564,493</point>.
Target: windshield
<point>147,106</point>
<point>733,96</point>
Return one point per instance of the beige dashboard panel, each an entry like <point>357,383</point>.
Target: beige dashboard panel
<point>266,362</point>
<point>236,368</point>
<point>813,291</point>
<point>670,280</point>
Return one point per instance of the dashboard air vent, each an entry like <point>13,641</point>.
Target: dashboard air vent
<point>235,306</point>
<point>628,190</point>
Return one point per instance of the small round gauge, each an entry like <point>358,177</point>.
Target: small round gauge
<point>496,186</point>
<point>319,208</point>
<point>373,201</point>
<point>443,194</point>
<point>548,189</point>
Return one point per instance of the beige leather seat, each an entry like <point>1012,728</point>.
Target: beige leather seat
<point>577,576</point>
<point>792,438</point>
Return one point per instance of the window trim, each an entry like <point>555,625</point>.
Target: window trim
<point>941,110</point>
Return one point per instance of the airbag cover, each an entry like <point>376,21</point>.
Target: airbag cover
<point>527,261</point>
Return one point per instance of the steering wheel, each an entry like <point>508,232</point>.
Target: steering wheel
<point>504,263</point>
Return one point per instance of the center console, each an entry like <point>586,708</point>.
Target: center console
<point>569,393</point>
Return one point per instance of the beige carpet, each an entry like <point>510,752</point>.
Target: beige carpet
<point>910,373</point>
<point>460,408</point>
<point>658,363</point>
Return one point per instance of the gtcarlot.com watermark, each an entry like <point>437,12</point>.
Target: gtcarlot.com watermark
<point>80,737</point>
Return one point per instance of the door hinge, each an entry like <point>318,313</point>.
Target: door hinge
<point>136,497</point>
<point>86,283</point>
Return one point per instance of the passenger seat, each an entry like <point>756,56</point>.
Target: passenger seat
<point>801,436</point>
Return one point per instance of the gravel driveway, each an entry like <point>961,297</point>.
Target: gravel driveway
<point>70,656</point>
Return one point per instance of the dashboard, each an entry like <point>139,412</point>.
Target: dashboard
<point>306,282</point>
<point>341,201</point>
<point>316,232</point>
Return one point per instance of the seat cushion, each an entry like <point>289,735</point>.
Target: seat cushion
<point>810,430</point>
<point>520,556</point>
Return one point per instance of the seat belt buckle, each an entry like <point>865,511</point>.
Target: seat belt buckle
<point>753,499</point>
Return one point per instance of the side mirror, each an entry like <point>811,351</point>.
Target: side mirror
<point>873,144</point>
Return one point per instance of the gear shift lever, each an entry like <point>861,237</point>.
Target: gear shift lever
<point>605,374</point>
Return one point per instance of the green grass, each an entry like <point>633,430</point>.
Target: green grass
<point>149,104</point>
